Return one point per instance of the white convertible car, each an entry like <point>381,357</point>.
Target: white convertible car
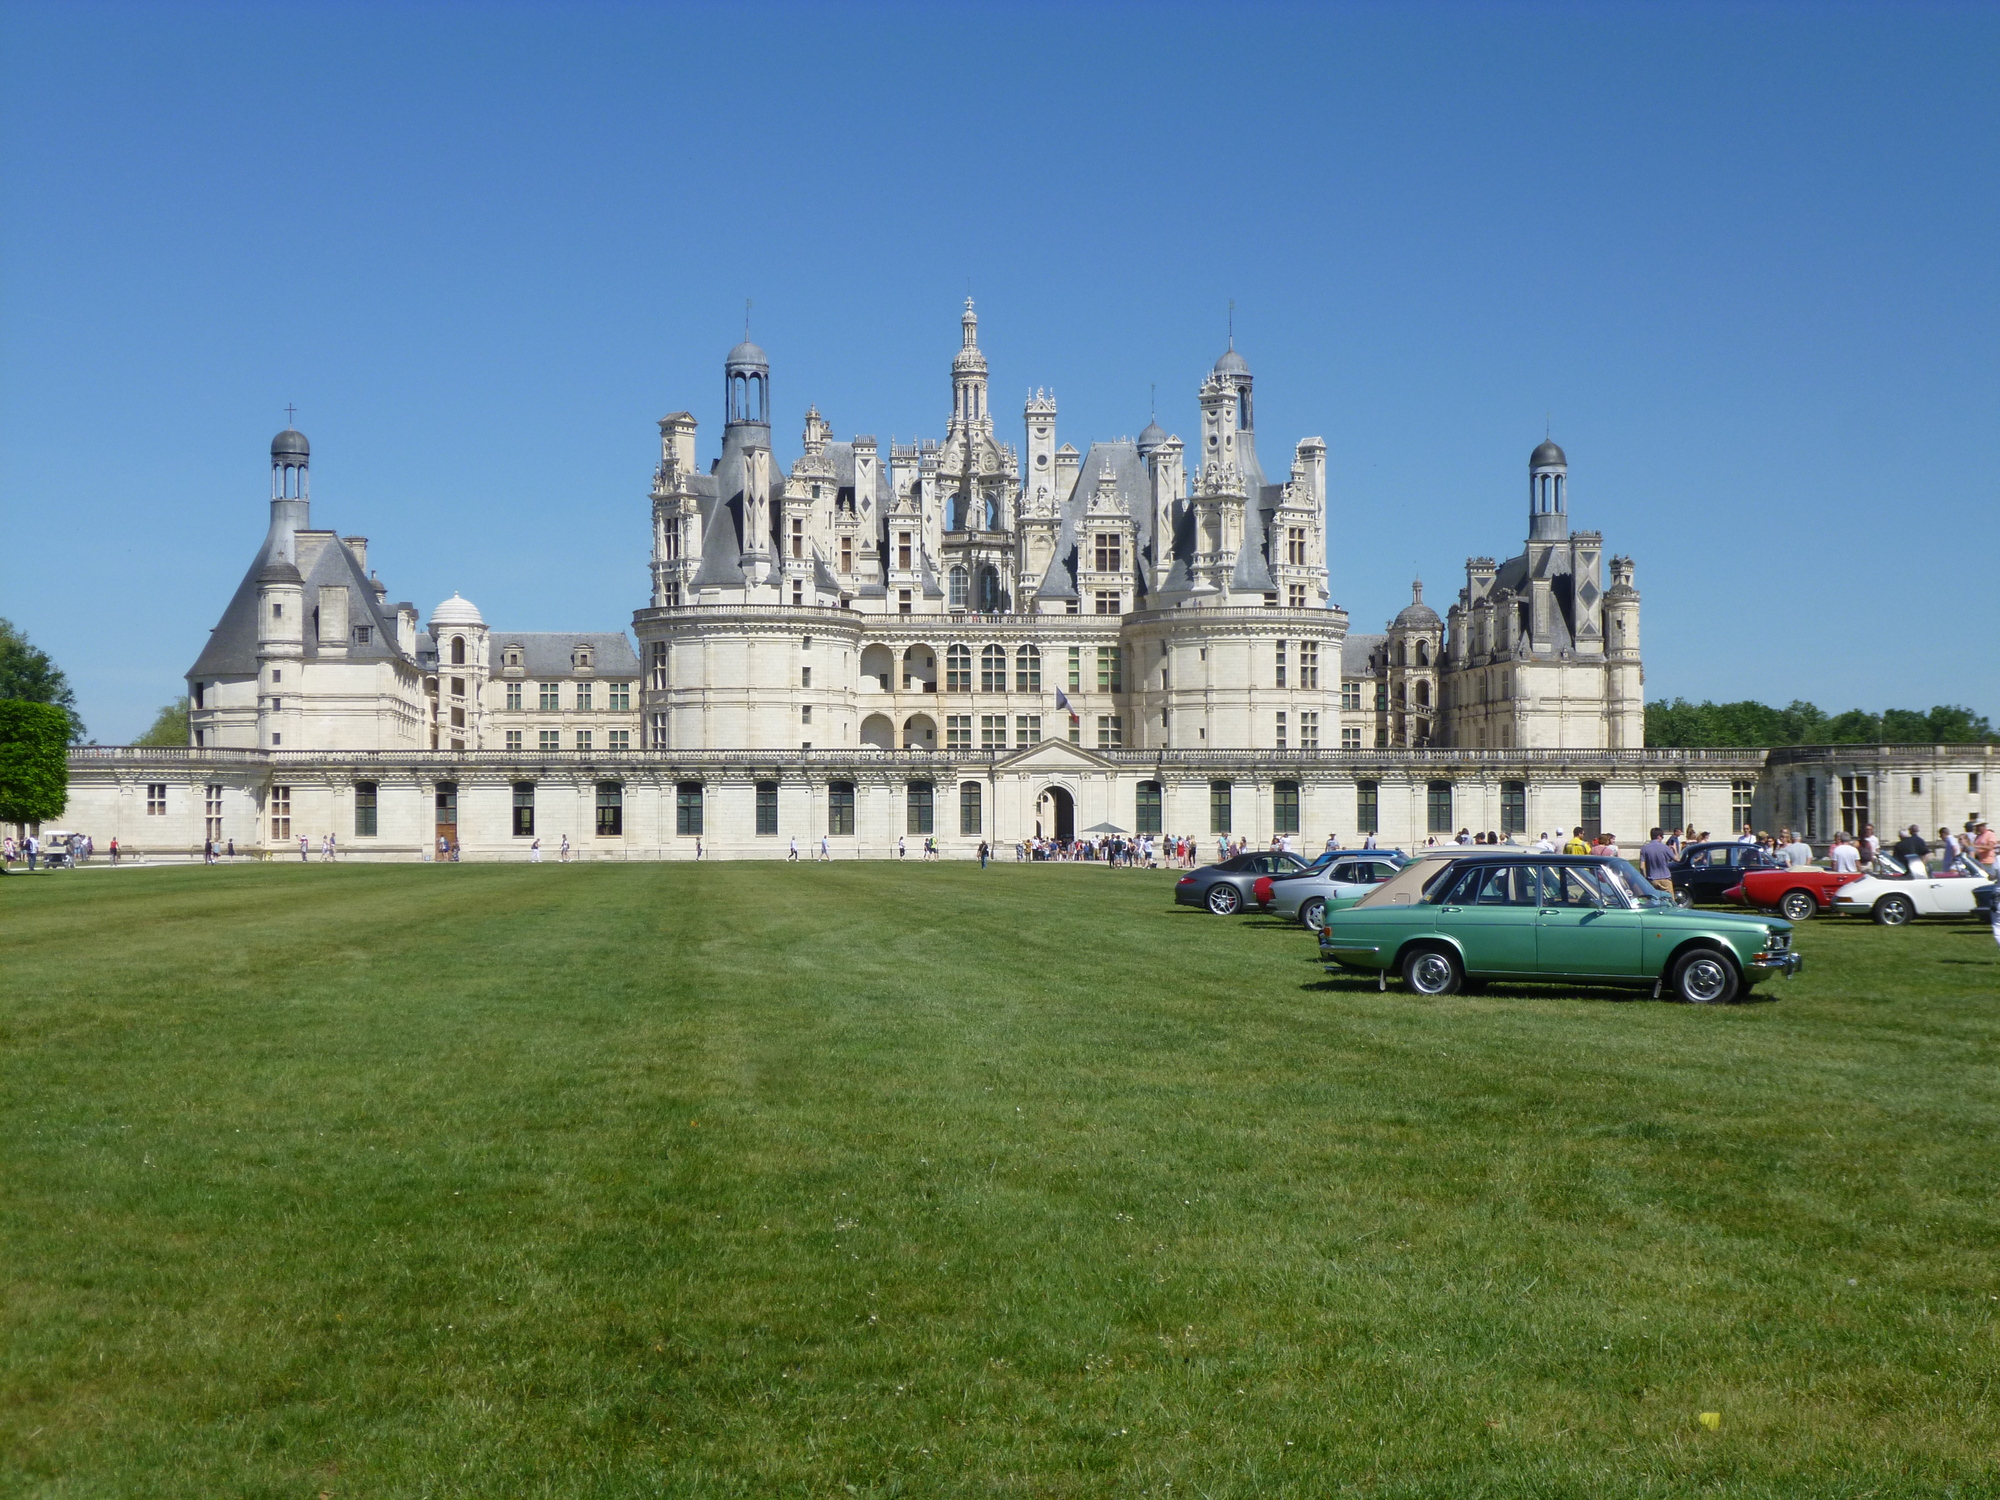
<point>1892,897</point>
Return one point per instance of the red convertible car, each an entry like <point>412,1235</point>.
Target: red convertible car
<point>1795,894</point>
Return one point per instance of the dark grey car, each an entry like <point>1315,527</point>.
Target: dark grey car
<point>1225,888</point>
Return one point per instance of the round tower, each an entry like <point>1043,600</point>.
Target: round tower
<point>459,637</point>
<point>1548,493</point>
<point>280,655</point>
<point>746,379</point>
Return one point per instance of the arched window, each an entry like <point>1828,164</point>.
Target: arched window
<point>1423,653</point>
<point>458,651</point>
<point>993,669</point>
<point>1148,811</point>
<point>958,588</point>
<point>1028,671</point>
<point>989,590</point>
<point>958,670</point>
<point>1423,695</point>
<point>1402,657</point>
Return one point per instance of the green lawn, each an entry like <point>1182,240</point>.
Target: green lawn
<point>747,1179</point>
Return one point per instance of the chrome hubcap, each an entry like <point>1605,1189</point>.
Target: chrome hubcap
<point>1704,979</point>
<point>1432,973</point>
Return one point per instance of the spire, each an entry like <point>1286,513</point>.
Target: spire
<point>969,321</point>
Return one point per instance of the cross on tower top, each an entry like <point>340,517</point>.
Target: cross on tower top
<point>290,412</point>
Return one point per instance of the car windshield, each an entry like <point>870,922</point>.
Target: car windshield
<point>1627,877</point>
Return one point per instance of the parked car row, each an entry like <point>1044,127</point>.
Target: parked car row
<point>1885,891</point>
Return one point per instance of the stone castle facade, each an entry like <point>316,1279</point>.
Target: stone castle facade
<point>959,638</point>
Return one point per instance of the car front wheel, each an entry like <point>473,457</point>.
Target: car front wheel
<point>1433,971</point>
<point>1313,913</point>
<point>1704,977</point>
<point>1894,911</point>
<point>1798,906</point>
<point>1224,899</point>
<point>1683,898</point>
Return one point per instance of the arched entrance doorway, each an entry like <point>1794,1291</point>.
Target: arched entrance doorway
<point>1055,815</point>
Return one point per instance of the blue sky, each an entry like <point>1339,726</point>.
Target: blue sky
<point>1745,256</point>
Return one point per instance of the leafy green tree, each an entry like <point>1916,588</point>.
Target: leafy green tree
<point>34,761</point>
<point>170,726</point>
<point>1679,724</point>
<point>28,676</point>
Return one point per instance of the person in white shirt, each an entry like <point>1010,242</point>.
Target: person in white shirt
<point>1544,845</point>
<point>1368,839</point>
<point>1748,836</point>
<point>1798,853</point>
<point>535,852</point>
<point>793,857</point>
<point>1846,859</point>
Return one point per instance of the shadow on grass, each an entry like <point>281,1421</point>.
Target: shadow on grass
<point>1497,989</point>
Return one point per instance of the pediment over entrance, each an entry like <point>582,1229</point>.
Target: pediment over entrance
<point>1053,755</point>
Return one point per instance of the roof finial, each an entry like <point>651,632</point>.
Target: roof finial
<point>1232,322</point>
<point>290,412</point>
<point>1154,399</point>
<point>746,320</point>
<point>1549,426</point>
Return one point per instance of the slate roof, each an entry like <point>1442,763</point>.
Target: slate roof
<point>546,654</point>
<point>232,646</point>
<point>1355,651</point>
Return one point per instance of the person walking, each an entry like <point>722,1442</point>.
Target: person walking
<point>454,851</point>
<point>305,850</point>
<point>114,853</point>
<point>901,852</point>
<point>984,850</point>
<point>1797,853</point>
<point>1985,846</point>
<point>1910,851</point>
<point>697,848</point>
<point>563,855</point>
<point>535,852</point>
<point>793,857</point>
<point>208,851</point>
<point>1576,844</point>
<point>33,846</point>
<point>1656,862</point>
<point>232,849</point>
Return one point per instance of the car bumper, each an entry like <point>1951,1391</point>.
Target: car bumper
<point>1786,964</point>
<point>1347,955</point>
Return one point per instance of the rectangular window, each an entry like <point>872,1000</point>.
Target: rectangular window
<point>1350,695</point>
<point>281,812</point>
<point>1295,595</point>
<point>971,819</point>
<point>1075,730</point>
<point>1916,786</point>
<point>798,537</point>
<point>620,700</point>
<point>1279,741</point>
<point>1592,809</point>
<point>610,809</point>
<point>1108,604</point>
<point>805,713</point>
<point>524,809</point>
<point>1308,664</point>
<point>659,664</point>
<point>514,695</point>
<point>918,812</point>
<point>551,739</point>
<point>1027,730</point>
<point>847,554</point>
<point>805,677</point>
<point>212,809</point>
<point>618,739</point>
<point>903,551</point>
<point>1673,808</point>
<point>1350,739</point>
<point>583,739</point>
<point>1108,553</point>
<point>1076,669</point>
<point>687,809</point>
<point>1742,795</point>
<point>364,809</point>
<point>993,731</point>
<point>513,739</point>
<point>1279,666</point>
<point>902,601</point>
<point>1381,697</point>
<point>1110,732</point>
<point>458,718</point>
<point>551,697</point>
<point>1147,817</point>
<point>1853,804</point>
<point>1309,731</point>
<point>1438,803</point>
<point>767,809</point>
<point>458,687</point>
<point>1367,807</point>
<point>958,731</point>
<point>1285,807</point>
<point>444,800</point>
<point>156,799</point>
<point>1972,781</point>
<point>1110,669</point>
<point>1295,546</point>
<point>1028,672</point>
<point>1513,807</point>
<point>583,696</point>
<point>363,634</point>
<point>1218,807</point>
<point>659,731</point>
<point>840,807</point>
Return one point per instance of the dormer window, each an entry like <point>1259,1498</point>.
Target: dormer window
<point>513,657</point>
<point>580,657</point>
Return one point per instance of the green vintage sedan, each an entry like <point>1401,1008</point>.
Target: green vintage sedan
<point>1550,917</point>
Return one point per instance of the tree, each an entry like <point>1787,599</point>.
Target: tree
<point>1679,724</point>
<point>34,761</point>
<point>170,727</point>
<point>28,676</point>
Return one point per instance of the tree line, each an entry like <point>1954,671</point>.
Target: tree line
<point>1679,724</point>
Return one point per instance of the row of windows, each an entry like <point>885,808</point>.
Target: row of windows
<point>919,800</point>
<point>1306,669</point>
<point>1027,669</point>
<point>617,695</point>
<point>551,739</point>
